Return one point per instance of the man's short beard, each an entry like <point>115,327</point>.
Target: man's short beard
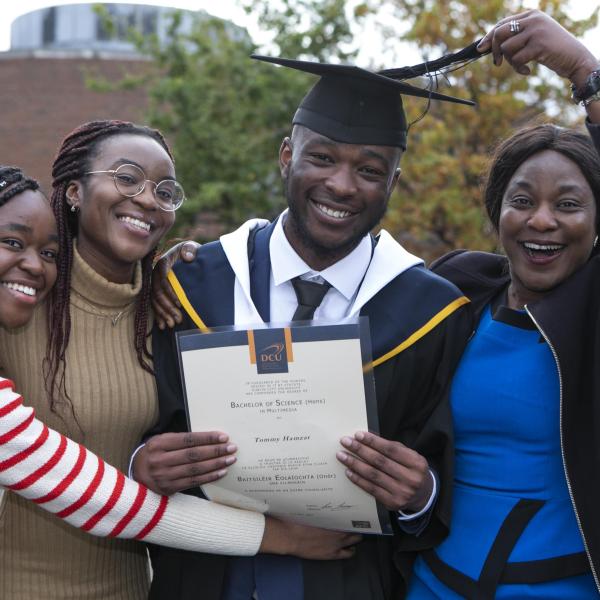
<point>324,252</point>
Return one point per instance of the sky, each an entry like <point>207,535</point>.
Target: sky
<point>228,9</point>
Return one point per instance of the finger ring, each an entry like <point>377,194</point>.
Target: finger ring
<point>515,26</point>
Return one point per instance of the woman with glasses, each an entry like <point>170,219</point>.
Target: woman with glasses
<point>130,181</point>
<point>82,362</point>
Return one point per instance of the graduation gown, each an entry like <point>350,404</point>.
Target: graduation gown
<point>419,325</point>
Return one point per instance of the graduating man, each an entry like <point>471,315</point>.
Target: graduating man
<point>339,167</point>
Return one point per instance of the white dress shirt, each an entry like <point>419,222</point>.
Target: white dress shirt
<point>345,277</point>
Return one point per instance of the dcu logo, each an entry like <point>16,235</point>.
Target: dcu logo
<point>270,350</point>
<point>272,353</point>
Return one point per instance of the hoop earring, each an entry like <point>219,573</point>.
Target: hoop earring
<point>595,241</point>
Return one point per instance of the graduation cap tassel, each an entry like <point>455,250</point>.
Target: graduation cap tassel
<point>459,59</point>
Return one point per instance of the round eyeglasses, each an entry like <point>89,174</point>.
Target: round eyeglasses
<point>131,181</point>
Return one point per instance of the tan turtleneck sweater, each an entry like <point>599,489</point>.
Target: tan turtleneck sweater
<point>114,399</point>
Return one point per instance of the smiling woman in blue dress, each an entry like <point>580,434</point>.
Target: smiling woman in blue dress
<point>526,395</point>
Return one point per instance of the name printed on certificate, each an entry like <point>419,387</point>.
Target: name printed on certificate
<point>285,396</point>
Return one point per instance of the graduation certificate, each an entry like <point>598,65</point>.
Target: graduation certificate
<point>285,396</point>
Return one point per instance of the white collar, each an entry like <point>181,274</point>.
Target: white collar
<point>235,246</point>
<point>389,260</point>
<point>345,275</point>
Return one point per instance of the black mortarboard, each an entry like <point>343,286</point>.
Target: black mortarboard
<point>355,106</point>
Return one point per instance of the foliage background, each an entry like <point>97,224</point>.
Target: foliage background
<point>226,115</point>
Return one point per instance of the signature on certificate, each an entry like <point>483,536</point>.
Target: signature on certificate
<point>330,506</point>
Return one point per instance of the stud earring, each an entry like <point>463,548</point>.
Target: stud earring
<point>74,208</point>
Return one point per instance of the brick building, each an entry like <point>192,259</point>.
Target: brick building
<point>43,91</point>
<point>42,98</point>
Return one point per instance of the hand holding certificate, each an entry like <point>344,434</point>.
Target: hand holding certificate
<point>286,396</point>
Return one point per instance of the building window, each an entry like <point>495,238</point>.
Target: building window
<point>148,24</point>
<point>48,26</point>
<point>122,19</point>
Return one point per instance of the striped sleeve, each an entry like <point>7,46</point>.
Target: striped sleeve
<point>68,480</point>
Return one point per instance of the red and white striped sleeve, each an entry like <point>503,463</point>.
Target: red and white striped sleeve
<point>68,480</point>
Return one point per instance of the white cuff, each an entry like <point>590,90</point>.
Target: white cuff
<point>130,468</point>
<point>402,516</point>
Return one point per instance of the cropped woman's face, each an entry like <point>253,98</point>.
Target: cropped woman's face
<point>547,225</point>
<point>115,231</point>
<point>28,251</point>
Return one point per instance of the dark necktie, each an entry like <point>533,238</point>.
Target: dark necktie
<point>309,295</point>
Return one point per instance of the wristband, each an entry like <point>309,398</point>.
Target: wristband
<point>589,91</point>
<point>593,98</point>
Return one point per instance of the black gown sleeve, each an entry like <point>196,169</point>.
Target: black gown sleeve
<point>172,415</point>
<point>420,406</point>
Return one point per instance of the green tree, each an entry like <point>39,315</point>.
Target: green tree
<point>311,29</point>
<point>225,117</point>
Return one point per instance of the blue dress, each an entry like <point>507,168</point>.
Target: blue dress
<point>510,498</point>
